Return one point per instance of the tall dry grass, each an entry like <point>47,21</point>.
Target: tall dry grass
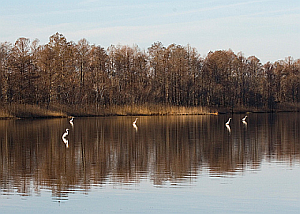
<point>133,110</point>
<point>57,110</point>
<point>146,109</point>
<point>4,114</point>
<point>159,110</point>
<point>31,111</point>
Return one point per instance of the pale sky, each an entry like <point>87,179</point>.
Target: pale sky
<point>268,29</point>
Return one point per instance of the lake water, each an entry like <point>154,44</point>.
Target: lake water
<point>167,164</point>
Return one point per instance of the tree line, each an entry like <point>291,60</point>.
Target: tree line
<point>67,73</point>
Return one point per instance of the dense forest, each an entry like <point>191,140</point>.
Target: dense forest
<point>66,73</point>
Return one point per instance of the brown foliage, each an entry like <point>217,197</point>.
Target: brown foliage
<point>67,74</point>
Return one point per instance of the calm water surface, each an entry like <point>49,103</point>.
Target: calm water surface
<point>169,164</point>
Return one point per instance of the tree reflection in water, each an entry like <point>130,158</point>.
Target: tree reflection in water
<point>168,149</point>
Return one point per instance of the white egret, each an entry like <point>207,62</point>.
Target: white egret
<point>65,134</point>
<point>228,128</point>
<point>227,123</point>
<point>134,124</point>
<point>244,120</point>
<point>71,121</point>
<point>66,142</point>
<point>64,138</point>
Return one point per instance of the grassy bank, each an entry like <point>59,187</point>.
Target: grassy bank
<point>131,110</point>
<point>28,111</point>
<point>34,111</point>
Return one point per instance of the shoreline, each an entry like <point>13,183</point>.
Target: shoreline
<point>23,111</point>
